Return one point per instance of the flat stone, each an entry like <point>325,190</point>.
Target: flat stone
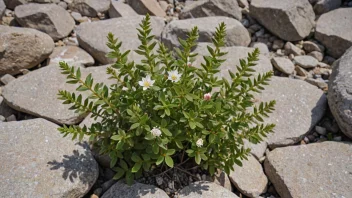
<point>340,92</point>
<point>310,46</point>
<point>257,150</point>
<point>324,6</point>
<point>335,36</point>
<point>43,163</point>
<point>317,55</point>
<point>5,110</point>
<point>144,7</point>
<point>34,94</point>
<point>313,170</point>
<point>7,78</point>
<point>203,8</point>
<point>222,179</point>
<point>306,62</point>
<point>120,9</point>
<point>263,48</point>
<point>250,178</point>
<point>90,8</point>
<point>317,82</point>
<point>293,19</point>
<point>22,48</point>
<point>290,48</point>
<point>237,34</point>
<point>124,28</point>
<point>284,65</point>
<point>205,190</point>
<point>120,189</point>
<point>71,55</point>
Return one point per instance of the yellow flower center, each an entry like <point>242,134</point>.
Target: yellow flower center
<point>146,84</point>
<point>174,77</point>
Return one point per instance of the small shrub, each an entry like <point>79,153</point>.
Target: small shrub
<point>165,110</point>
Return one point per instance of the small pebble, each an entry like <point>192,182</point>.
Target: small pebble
<point>11,118</point>
<point>306,140</point>
<point>320,130</point>
<point>337,138</point>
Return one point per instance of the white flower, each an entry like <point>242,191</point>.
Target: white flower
<point>156,132</point>
<point>189,64</point>
<point>174,76</point>
<point>146,82</point>
<point>207,96</point>
<point>124,88</point>
<point>199,142</point>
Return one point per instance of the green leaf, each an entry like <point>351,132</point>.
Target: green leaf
<point>123,165</point>
<point>166,131</point>
<point>119,173</point>
<point>155,148</point>
<point>169,161</point>
<point>136,167</point>
<point>170,152</point>
<point>116,137</point>
<point>135,125</point>
<point>192,125</point>
<point>135,157</point>
<point>159,160</point>
<point>197,158</point>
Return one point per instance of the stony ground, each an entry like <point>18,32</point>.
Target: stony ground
<point>307,43</point>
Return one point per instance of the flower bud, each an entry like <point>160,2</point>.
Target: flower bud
<point>207,96</point>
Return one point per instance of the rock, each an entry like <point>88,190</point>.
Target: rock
<point>120,9</point>
<point>336,37</point>
<point>205,190</point>
<point>292,49</point>
<point>263,48</point>
<point>257,150</point>
<point>5,110</point>
<point>63,4</point>
<point>250,178</point>
<point>243,3</point>
<point>36,93</point>
<point>7,78</point>
<point>340,93</point>
<point>313,170</point>
<point>320,130</point>
<point>2,8</point>
<point>90,8</point>
<point>11,4</point>
<point>222,179</point>
<point>317,82</point>
<point>72,55</point>
<point>22,48</point>
<point>44,17</point>
<point>212,8</point>
<point>94,42</point>
<point>306,62</point>
<point>120,189</point>
<point>299,107</point>
<point>317,55</point>
<point>283,64</point>
<point>144,7</point>
<point>49,165</point>
<point>323,6</point>
<point>278,44</point>
<point>237,34</point>
<point>310,46</point>
<point>11,118</point>
<point>79,18</point>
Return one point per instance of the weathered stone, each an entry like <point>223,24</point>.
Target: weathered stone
<point>120,9</point>
<point>292,49</point>
<point>257,150</point>
<point>334,31</point>
<point>144,7</point>
<point>283,64</point>
<point>317,55</point>
<point>11,4</point>
<point>278,44</point>
<point>2,8</point>
<point>310,46</point>
<point>49,18</point>
<point>317,82</point>
<point>72,55</point>
<point>289,20</point>
<point>237,34</point>
<point>222,179</point>
<point>6,79</point>
<point>263,48</point>
<point>205,190</point>
<point>22,48</point>
<point>136,190</point>
<point>340,92</point>
<point>5,110</point>
<point>323,6</point>
<point>94,42</point>
<point>250,178</point>
<point>212,8</point>
<point>313,170</point>
<point>90,8</point>
<point>43,163</point>
<point>306,62</point>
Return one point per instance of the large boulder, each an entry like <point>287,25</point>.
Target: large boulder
<point>36,93</point>
<point>49,18</point>
<point>144,7</point>
<point>124,28</point>
<point>121,9</point>
<point>36,161</point>
<point>205,190</point>
<point>313,170</point>
<point>323,6</point>
<point>71,55</point>
<point>212,8</point>
<point>287,19</point>
<point>237,34</point>
<point>22,48</point>
<point>334,31</point>
<point>340,92</point>
<point>90,8</point>
<point>11,4</point>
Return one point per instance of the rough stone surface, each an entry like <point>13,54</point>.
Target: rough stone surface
<point>237,34</point>
<point>257,150</point>
<point>323,6</point>
<point>334,31</point>
<point>71,55</point>
<point>293,19</point>
<point>2,8</point>
<point>22,48</point>
<point>120,9</point>
<point>283,64</point>
<point>36,161</point>
<point>49,18</point>
<point>36,93</point>
<point>310,46</point>
<point>212,8</point>
<point>144,7</point>
<point>90,8</point>
<point>94,42</point>
<point>11,4</point>
<point>262,48</point>
<point>205,190</point>
<point>250,178</point>
<point>7,78</point>
<point>290,48</point>
<point>306,62</point>
<point>340,92</point>
<point>5,110</point>
<point>313,170</point>
<point>317,55</point>
<point>299,106</point>
<point>222,179</point>
<point>122,190</point>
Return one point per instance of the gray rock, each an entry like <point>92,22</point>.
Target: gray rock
<point>2,8</point>
<point>336,37</point>
<point>257,150</point>
<point>11,4</point>
<point>299,106</point>
<point>53,19</point>
<point>313,170</point>
<point>120,9</point>
<point>22,48</point>
<point>47,165</point>
<point>71,55</point>
<point>11,118</point>
<point>278,44</point>
<point>7,78</point>
<point>63,4</point>
<point>317,55</point>
<point>205,190</point>
<point>243,3</point>
<point>5,110</point>
<point>90,8</point>
<point>143,7</point>
<point>340,93</point>
<point>237,34</point>
<point>317,82</point>
<point>124,28</point>
<point>306,62</point>
<point>122,190</point>
<point>293,19</point>
<point>284,65</point>
<point>323,6</point>
<point>290,48</point>
<point>36,93</point>
<point>250,178</point>
<point>263,48</point>
<point>212,8</point>
<point>222,179</point>
<point>310,46</point>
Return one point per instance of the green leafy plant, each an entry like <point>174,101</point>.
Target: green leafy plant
<point>165,110</point>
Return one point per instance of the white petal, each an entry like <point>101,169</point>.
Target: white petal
<point>140,83</point>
